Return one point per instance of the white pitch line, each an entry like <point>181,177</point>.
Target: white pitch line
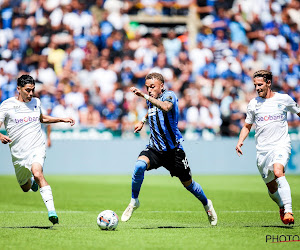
<point>78,212</point>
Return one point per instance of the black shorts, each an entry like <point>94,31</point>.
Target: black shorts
<point>173,160</point>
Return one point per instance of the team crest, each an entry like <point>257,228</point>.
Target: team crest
<point>169,98</point>
<point>16,108</point>
<point>258,105</point>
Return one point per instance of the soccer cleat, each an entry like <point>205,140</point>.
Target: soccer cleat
<point>281,212</point>
<point>129,210</point>
<point>53,217</point>
<point>34,186</point>
<point>211,213</point>
<point>288,219</point>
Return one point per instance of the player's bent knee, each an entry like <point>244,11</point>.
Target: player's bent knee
<point>186,183</point>
<point>278,170</point>
<point>278,173</point>
<point>140,167</point>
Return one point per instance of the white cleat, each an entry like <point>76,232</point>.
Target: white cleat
<point>211,213</point>
<point>129,210</point>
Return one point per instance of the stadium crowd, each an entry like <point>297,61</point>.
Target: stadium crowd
<point>85,55</point>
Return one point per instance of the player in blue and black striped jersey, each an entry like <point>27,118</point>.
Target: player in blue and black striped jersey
<point>164,147</point>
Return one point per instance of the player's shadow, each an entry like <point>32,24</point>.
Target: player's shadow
<point>168,227</point>
<point>35,227</point>
<point>275,226</point>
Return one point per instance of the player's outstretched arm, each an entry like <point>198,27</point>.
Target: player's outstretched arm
<point>243,135</point>
<point>165,106</point>
<point>50,119</point>
<point>4,138</point>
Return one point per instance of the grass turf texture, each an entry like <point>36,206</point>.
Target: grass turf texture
<point>169,216</point>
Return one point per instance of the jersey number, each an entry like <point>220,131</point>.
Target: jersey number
<point>185,163</point>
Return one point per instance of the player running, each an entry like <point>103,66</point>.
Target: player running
<point>268,112</point>
<point>164,147</point>
<point>22,119</point>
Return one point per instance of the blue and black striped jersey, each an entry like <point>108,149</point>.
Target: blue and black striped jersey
<point>165,134</point>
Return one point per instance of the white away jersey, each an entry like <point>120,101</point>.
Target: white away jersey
<point>270,119</point>
<point>23,126</point>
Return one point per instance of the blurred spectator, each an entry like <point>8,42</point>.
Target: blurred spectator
<point>22,32</point>
<point>203,8</point>
<point>181,7</point>
<point>64,110</point>
<point>149,7</point>
<point>172,46</point>
<point>89,117</point>
<point>105,78</point>
<point>97,10</point>
<point>85,55</point>
<point>111,115</point>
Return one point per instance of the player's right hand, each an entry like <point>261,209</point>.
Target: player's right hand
<point>138,127</point>
<point>238,148</point>
<point>5,139</point>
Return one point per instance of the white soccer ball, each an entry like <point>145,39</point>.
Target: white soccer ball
<point>107,220</point>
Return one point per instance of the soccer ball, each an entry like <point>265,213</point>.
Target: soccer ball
<point>107,220</point>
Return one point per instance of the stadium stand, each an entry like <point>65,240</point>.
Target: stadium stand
<point>85,55</point>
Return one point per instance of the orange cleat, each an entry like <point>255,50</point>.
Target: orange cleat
<point>288,219</point>
<point>281,212</point>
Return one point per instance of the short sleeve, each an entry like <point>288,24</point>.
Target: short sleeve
<point>250,118</point>
<point>3,111</point>
<point>39,104</point>
<point>292,106</point>
<point>170,97</point>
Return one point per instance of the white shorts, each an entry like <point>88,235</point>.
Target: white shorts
<point>23,165</point>
<point>266,160</point>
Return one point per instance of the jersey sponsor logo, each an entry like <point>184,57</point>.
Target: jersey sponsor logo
<point>270,118</point>
<point>27,119</point>
<point>152,111</point>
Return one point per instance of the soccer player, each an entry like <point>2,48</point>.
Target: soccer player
<point>268,112</point>
<point>164,147</point>
<point>22,119</point>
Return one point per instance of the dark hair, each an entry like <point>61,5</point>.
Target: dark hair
<point>25,79</point>
<point>267,75</point>
<point>156,76</point>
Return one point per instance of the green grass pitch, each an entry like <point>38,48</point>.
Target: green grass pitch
<point>169,216</point>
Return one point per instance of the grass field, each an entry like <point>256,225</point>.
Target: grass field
<point>169,216</point>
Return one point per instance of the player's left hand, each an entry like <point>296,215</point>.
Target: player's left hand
<point>69,120</point>
<point>137,91</point>
<point>4,139</point>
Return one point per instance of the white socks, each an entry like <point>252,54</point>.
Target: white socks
<point>284,193</point>
<point>275,197</point>
<point>46,194</point>
<point>133,201</point>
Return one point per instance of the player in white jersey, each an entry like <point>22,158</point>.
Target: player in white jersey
<point>22,118</point>
<point>268,112</point>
